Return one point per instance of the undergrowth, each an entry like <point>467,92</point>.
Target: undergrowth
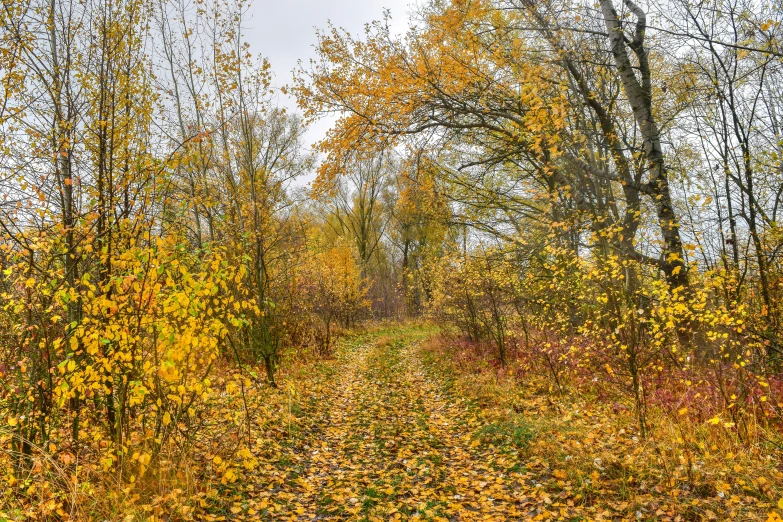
<point>586,447</point>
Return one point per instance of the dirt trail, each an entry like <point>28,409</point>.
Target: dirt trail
<point>393,443</point>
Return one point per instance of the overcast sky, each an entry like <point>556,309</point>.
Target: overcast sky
<point>283,31</point>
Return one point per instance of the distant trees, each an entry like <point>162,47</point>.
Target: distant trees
<point>338,293</point>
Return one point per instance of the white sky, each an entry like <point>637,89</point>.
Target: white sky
<point>283,31</point>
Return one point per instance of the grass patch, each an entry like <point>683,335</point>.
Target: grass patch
<point>506,432</point>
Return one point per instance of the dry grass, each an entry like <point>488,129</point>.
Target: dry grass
<point>582,447</point>
<point>588,441</point>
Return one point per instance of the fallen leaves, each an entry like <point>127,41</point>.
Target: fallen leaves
<point>384,441</point>
<point>391,431</point>
<point>586,460</point>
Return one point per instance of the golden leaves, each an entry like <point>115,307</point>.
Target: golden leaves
<point>374,458</point>
<point>442,77</point>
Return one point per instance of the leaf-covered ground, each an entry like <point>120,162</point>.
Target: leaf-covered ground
<point>389,431</point>
<point>391,442</point>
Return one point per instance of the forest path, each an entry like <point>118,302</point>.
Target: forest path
<point>393,442</point>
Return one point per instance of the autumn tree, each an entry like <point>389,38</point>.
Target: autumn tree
<point>419,229</point>
<point>237,167</point>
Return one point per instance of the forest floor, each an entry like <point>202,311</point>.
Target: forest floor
<point>392,442</point>
<point>378,437</point>
<point>388,431</point>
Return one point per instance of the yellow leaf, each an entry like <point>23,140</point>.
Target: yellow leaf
<point>217,460</point>
<point>166,419</point>
<point>228,477</point>
<point>714,420</point>
<point>683,411</point>
<point>12,421</point>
